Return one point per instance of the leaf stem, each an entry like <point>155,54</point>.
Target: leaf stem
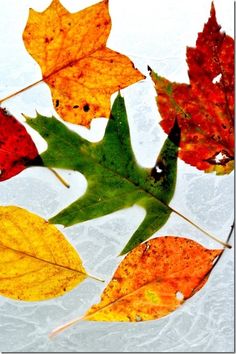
<point>231,232</point>
<point>217,259</point>
<point>95,278</point>
<point>69,324</point>
<point>59,177</point>
<point>225,244</point>
<point>20,91</point>
<point>62,328</point>
<point>228,238</point>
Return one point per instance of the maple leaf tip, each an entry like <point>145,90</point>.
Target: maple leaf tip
<point>32,12</point>
<point>149,70</point>
<point>55,2</point>
<point>103,2</point>
<point>213,10</point>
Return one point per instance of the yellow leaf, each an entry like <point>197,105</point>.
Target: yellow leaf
<point>36,261</point>
<point>80,70</point>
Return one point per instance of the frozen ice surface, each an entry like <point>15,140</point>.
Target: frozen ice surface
<point>151,32</point>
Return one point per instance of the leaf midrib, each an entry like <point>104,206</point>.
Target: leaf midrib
<point>73,62</point>
<point>42,260</point>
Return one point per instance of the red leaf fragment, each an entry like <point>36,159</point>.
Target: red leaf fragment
<point>17,149</point>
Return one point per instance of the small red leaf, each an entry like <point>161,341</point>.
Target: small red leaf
<point>17,149</point>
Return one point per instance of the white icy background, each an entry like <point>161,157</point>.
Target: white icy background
<point>151,32</point>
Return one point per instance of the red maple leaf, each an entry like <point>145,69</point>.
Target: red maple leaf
<point>205,107</point>
<point>17,149</point>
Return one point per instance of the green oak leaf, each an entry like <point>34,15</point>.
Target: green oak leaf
<point>115,180</point>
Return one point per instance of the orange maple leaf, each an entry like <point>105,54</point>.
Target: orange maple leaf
<point>80,70</point>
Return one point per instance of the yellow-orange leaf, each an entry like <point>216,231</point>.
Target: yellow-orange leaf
<point>36,261</point>
<point>154,279</point>
<point>71,51</point>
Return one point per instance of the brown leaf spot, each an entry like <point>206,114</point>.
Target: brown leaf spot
<point>86,107</point>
